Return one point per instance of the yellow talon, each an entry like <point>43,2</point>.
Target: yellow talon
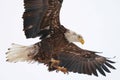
<point>62,69</point>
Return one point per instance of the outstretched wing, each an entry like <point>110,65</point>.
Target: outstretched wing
<point>40,16</point>
<point>83,61</point>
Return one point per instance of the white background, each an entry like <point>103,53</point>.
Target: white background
<point>97,20</point>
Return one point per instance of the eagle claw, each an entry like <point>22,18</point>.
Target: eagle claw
<point>62,69</point>
<point>55,65</point>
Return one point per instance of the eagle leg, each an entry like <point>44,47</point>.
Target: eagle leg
<point>62,69</point>
<point>54,62</point>
<point>55,66</point>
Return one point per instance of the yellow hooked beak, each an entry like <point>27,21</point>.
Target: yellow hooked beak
<point>81,40</point>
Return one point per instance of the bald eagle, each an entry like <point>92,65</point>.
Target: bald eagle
<point>55,48</point>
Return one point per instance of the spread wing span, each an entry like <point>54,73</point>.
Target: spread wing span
<point>75,59</point>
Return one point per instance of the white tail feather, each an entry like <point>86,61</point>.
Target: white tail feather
<point>21,53</point>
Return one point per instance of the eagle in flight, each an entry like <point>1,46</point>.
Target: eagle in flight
<point>55,48</point>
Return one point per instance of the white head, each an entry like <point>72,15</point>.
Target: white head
<point>73,37</point>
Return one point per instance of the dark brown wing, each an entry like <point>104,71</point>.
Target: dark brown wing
<point>83,61</point>
<point>40,16</point>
